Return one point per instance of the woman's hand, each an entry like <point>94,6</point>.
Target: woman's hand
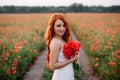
<point>74,58</point>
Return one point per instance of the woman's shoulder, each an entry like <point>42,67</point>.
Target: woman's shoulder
<point>56,42</point>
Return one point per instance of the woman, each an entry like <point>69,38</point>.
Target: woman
<point>57,34</point>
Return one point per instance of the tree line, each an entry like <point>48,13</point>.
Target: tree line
<point>64,9</point>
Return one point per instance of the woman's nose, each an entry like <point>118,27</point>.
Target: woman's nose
<point>62,28</point>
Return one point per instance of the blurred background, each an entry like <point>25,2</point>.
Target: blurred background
<point>27,6</point>
<point>96,23</point>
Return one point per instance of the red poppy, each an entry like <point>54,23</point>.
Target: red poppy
<point>14,72</point>
<point>8,55</point>
<point>1,42</point>
<point>70,48</point>
<point>19,57</point>
<point>15,50</point>
<point>8,71</point>
<point>13,68</point>
<point>15,63</point>
<point>112,63</point>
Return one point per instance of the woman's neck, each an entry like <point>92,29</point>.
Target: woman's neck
<point>59,37</point>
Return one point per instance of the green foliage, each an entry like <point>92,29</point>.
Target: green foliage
<point>72,8</point>
<point>47,75</point>
<point>16,57</point>
<point>104,59</point>
<point>77,71</point>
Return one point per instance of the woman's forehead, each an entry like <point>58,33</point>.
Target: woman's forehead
<point>59,21</point>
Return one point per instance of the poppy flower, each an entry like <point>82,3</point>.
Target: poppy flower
<point>70,49</point>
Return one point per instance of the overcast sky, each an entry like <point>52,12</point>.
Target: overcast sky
<point>58,2</point>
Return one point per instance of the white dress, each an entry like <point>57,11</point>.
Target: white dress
<point>64,73</point>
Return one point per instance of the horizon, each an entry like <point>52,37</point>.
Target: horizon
<point>47,3</point>
<point>56,6</point>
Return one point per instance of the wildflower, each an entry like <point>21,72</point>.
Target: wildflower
<point>14,63</point>
<point>96,65</point>
<point>112,63</point>
<point>8,71</point>
<point>4,47</point>
<point>98,47</point>
<point>15,50</point>
<point>0,59</point>
<point>97,59</point>
<point>14,72</point>
<point>18,45</point>
<point>117,51</point>
<point>25,42</point>
<point>19,57</point>
<point>92,49</point>
<point>118,56</point>
<point>1,42</point>
<point>13,68</point>
<point>8,55</point>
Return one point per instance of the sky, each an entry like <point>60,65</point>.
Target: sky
<point>58,2</point>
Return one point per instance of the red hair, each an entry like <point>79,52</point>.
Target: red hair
<point>50,31</point>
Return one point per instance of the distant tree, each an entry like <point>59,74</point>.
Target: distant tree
<point>72,8</point>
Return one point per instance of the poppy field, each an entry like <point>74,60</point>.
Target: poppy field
<point>100,36</point>
<point>22,38</point>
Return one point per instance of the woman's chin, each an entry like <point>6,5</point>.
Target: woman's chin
<point>61,34</point>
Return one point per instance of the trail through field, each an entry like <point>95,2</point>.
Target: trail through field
<point>88,72</point>
<point>36,71</point>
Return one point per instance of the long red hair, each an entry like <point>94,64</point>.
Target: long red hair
<point>50,31</point>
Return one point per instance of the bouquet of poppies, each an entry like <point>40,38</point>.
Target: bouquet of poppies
<point>70,49</point>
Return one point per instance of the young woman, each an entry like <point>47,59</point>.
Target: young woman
<point>57,34</point>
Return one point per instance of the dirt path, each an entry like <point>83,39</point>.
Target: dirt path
<point>36,71</point>
<point>84,62</point>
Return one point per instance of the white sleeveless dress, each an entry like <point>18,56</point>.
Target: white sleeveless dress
<point>64,73</point>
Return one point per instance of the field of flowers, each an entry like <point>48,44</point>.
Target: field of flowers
<point>100,36</point>
<point>21,39</point>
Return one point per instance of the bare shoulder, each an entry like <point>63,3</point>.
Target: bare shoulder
<point>55,43</point>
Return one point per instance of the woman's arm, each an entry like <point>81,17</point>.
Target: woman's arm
<point>55,47</point>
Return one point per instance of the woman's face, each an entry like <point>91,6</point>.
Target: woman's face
<point>59,27</point>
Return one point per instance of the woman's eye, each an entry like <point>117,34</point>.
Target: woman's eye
<point>58,25</point>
